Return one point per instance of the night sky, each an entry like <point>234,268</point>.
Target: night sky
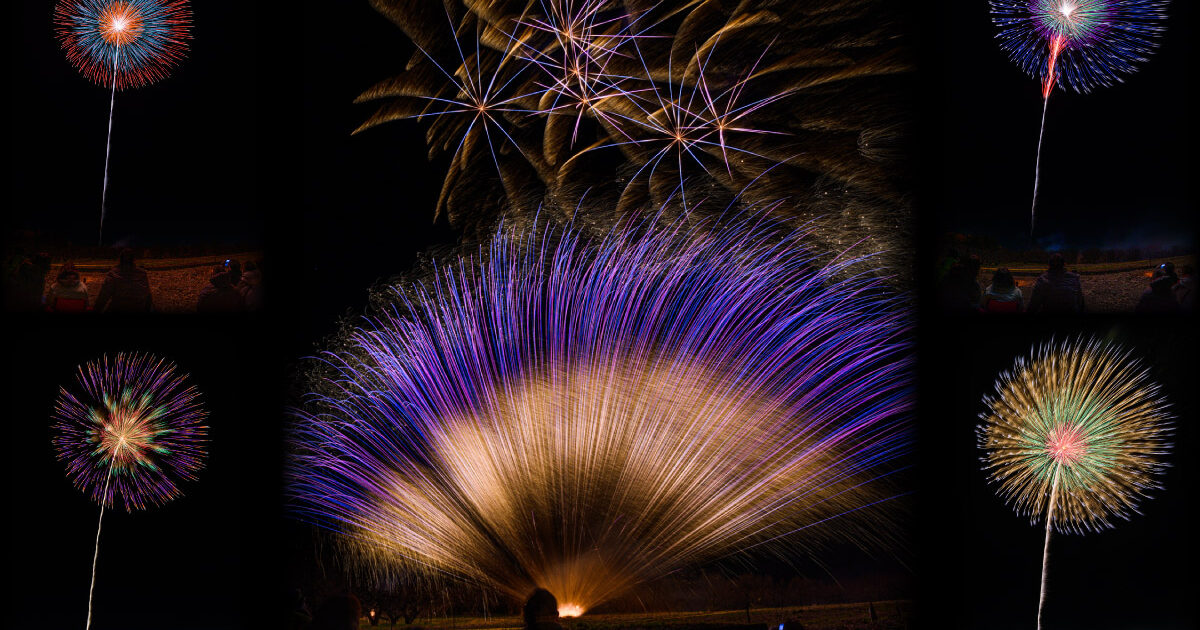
<point>249,141</point>
<point>980,562</point>
<point>1116,163</point>
<point>186,162</point>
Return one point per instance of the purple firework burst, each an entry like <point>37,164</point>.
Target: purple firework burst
<point>130,427</point>
<point>583,416</point>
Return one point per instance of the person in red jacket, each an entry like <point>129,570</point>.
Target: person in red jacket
<point>69,293</point>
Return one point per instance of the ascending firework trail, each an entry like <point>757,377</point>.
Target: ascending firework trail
<point>1076,433</point>
<point>122,44</point>
<point>130,427</point>
<point>1082,44</point>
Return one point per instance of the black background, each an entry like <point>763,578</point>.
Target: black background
<point>1115,162</point>
<point>250,139</point>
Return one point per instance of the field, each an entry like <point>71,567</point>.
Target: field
<point>890,615</point>
<point>1107,287</point>
<point>175,283</point>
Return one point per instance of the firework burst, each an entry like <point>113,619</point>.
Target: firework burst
<point>634,104</point>
<point>122,44</point>
<point>1082,44</point>
<point>584,415</point>
<point>132,428</point>
<point>1075,435</point>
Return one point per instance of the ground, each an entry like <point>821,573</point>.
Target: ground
<point>890,615</point>
<point>175,283</point>
<point>1107,287</point>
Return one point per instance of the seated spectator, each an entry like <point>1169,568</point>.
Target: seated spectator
<point>960,291</point>
<point>220,296</point>
<point>1057,290</point>
<point>251,287</point>
<point>1184,290</point>
<point>69,292</point>
<point>25,281</point>
<point>1002,295</point>
<point>234,268</point>
<point>126,288</point>
<point>1159,298</point>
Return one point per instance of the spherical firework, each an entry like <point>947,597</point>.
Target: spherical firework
<point>631,104</point>
<point>1082,423</point>
<point>1083,44</point>
<point>123,43</point>
<point>131,427</point>
<point>582,416</point>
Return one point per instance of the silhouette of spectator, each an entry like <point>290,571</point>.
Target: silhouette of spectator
<point>541,611</point>
<point>960,291</point>
<point>251,287</point>
<point>298,617</point>
<point>220,296</point>
<point>235,271</point>
<point>1159,298</point>
<point>69,292</point>
<point>340,612</point>
<point>1057,290</point>
<point>1002,295</point>
<point>126,288</point>
<point>26,283</point>
<point>1184,290</point>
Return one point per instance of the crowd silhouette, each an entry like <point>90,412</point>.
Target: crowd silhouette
<point>1056,290</point>
<point>125,288</point>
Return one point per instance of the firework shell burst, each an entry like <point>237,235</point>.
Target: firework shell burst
<point>545,103</point>
<point>1093,43</point>
<point>584,415</point>
<point>144,39</point>
<point>130,427</point>
<point>1087,413</point>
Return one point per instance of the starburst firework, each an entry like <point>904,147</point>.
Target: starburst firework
<point>1076,436</point>
<point>584,416</point>
<point>546,103</point>
<point>123,43</point>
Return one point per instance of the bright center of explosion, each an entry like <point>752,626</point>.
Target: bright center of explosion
<point>1066,444</point>
<point>569,610</point>
<point>1067,9</point>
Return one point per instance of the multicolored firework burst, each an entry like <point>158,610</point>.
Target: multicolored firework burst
<point>1077,434</point>
<point>130,428</point>
<point>1082,44</point>
<point>541,104</point>
<point>583,416</point>
<point>122,44</point>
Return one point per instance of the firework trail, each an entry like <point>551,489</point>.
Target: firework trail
<point>1082,44</point>
<point>129,428</point>
<point>122,44</point>
<point>1076,433</point>
<point>584,415</point>
<point>540,104</point>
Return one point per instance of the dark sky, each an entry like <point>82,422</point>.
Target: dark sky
<point>206,560</point>
<point>1116,163</point>
<point>980,561</point>
<point>186,155</point>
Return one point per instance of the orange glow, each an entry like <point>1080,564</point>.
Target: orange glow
<point>120,24</point>
<point>570,610</point>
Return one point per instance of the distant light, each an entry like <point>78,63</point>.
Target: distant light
<point>570,610</point>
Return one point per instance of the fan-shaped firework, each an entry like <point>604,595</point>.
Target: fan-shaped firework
<point>123,43</point>
<point>583,416</point>
<point>1077,434</point>
<point>1082,44</point>
<point>631,103</point>
<point>132,428</point>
